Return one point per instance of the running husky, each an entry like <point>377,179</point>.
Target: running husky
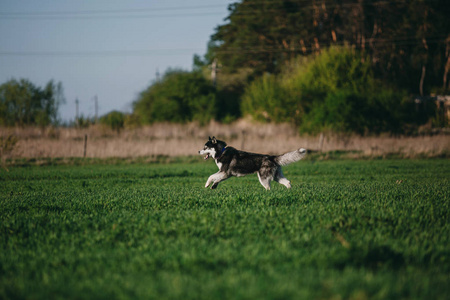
<point>233,162</point>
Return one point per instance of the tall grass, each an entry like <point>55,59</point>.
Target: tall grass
<point>187,139</point>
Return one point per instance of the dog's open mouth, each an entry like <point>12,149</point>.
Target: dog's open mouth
<point>207,156</point>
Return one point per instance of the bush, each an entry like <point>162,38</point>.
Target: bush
<point>346,111</point>
<point>179,97</point>
<point>132,121</point>
<point>342,111</point>
<point>266,100</point>
<point>115,120</point>
<point>334,91</point>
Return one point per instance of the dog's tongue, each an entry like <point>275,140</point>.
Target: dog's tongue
<point>207,156</point>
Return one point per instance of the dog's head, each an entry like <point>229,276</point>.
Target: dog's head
<point>213,148</point>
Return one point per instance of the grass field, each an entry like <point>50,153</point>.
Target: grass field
<point>377,229</point>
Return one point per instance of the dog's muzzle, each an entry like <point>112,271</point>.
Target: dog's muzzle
<point>201,152</point>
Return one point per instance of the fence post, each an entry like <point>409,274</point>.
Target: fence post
<point>85,145</point>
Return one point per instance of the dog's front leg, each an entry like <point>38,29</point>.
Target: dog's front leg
<point>210,180</point>
<point>215,179</point>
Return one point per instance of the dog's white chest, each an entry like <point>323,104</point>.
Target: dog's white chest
<point>219,164</point>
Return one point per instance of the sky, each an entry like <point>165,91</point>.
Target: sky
<point>105,49</point>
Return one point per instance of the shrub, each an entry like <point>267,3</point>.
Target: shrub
<point>7,145</point>
<point>334,91</point>
<point>132,121</point>
<point>266,99</point>
<point>115,120</point>
<point>83,122</point>
<point>179,97</point>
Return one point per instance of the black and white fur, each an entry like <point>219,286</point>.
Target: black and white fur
<point>233,162</point>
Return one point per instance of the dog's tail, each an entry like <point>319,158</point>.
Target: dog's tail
<point>290,157</point>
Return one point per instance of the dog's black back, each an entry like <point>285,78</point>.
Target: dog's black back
<point>238,163</point>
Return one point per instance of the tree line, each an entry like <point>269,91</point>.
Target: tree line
<point>22,103</point>
<point>349,65</point>
<point>339,65</point>
<point>408,42</point>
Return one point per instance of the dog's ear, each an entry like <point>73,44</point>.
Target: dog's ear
<point>209,138</point>
<point>214,141</point>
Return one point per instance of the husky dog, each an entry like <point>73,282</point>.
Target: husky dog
<point>233,162</point>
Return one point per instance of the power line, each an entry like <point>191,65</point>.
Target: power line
<point>108,17</point>
<point>249,48</point>
<point>257,50</point>
<point>150,52</point>
<point>177,8</point>
<point>111,11</point>
<point>143,13</point>
<point>111,14</point>
<point>396,40</point>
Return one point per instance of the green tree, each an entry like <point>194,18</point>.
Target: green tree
<point>266,100</point>
<point>180,96</point>
<point>115,120</point>
<point>407,41</point>
<point>23,103</point>
<point>333,91</point>
<point>261,35</point>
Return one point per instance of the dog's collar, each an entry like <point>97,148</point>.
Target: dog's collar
<point>223,150</point>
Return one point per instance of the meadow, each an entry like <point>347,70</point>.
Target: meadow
<point>348,229</point>
<point>166,138</point>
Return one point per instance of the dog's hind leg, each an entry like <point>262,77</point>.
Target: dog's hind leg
<point>279,177</point>
<point>215,179</point>
<point>284,181</point>
<point>265,181</point>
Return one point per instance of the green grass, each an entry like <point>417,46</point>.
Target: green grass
<point>346,230</point>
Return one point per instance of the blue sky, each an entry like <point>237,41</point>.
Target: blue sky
<point>109,49</point>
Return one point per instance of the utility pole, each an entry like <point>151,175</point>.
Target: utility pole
<point>214,69</point>
<point>96,108</point>
<point>76,111</point>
